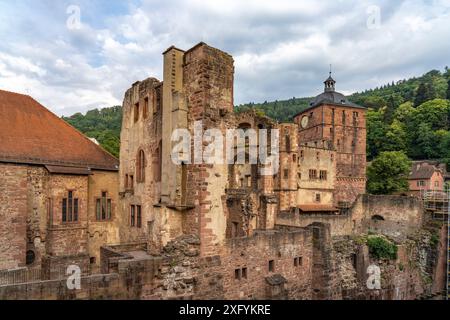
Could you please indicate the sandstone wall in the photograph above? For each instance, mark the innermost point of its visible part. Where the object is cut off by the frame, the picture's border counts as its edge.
(13, 215)
(104, 232)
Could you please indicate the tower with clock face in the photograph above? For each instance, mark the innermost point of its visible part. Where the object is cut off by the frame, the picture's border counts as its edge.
(332, 121)
(304, 122)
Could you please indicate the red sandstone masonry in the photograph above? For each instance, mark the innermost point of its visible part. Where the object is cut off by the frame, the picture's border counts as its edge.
(13, 214)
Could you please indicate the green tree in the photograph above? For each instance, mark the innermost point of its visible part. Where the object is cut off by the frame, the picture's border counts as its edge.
(376, 132)
(444, 145)
(426, 143)
(396, 137)
(448, 90)
(404, 112)
(103, 125)
(425, 92)
(434, 113)
(388, 173)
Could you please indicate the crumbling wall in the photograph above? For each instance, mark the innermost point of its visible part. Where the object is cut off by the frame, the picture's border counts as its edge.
(396, 216)
(244, 269)
(407, 277)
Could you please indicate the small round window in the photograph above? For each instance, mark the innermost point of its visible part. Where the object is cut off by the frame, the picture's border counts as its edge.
(30, 257)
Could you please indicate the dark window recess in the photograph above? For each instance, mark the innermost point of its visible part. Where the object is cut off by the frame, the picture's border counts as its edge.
(133, 215)
(139, 216)
(140, 166)
(240, 273)
(70, 208)
(298, 261)
(103, 209)
(136, 112)
(30, 257)
(64, 210)
(272, 266)
(318, 197)
(93, 260)
(145, 112)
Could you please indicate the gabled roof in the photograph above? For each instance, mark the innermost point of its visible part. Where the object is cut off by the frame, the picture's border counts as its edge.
(422, 170)
(29, 133)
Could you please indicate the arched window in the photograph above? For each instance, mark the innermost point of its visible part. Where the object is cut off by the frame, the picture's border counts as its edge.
(140, 166)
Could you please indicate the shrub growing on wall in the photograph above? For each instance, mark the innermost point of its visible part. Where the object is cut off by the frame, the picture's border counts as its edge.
(381, 248)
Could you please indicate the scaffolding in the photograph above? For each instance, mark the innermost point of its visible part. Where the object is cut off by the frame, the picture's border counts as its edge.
(437, 202)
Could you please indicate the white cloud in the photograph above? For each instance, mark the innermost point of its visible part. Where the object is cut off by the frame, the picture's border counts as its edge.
(281, 49)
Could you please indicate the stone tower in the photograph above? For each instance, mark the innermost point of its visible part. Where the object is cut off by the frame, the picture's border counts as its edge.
(334, 122)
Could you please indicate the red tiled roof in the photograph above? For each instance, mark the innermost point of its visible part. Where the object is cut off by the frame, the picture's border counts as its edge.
(317, 208)
(422, 170)
(29, 133)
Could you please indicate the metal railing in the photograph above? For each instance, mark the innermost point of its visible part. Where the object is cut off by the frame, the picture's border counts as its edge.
(21, 275)
(36, 274)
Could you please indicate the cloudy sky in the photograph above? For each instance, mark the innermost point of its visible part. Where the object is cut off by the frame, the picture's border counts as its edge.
(281, 48)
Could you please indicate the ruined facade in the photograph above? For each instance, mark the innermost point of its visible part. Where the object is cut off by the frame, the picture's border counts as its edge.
(224, 230)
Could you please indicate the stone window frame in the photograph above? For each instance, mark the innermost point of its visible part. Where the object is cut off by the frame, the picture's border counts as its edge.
(312, 174)
(136, 112)
(271, 266)
(132, 215)
(141, 164)
(74, 214)
(241, 273)
(136, 216)
(286, 174)
(139, 216)
(318, 198)
(145, 109)
(109, 204)
(323, 175)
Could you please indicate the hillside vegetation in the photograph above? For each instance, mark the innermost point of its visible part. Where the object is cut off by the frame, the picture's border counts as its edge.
(411, 116)
(103, 125)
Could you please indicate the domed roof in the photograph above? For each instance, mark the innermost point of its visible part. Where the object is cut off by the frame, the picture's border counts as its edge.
(332, 97)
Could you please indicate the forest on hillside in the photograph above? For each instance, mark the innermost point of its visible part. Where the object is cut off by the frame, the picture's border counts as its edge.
(412, 116)
(103, 125)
